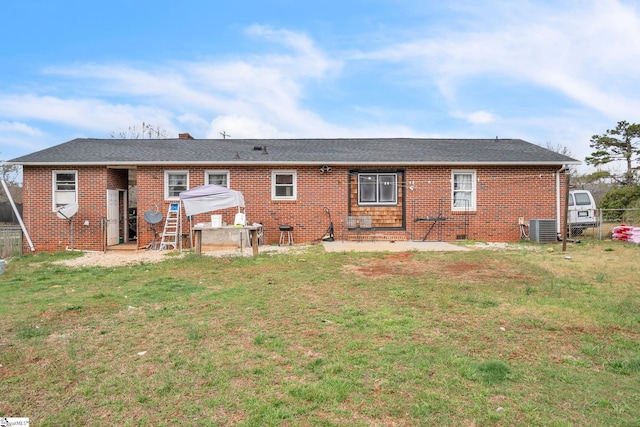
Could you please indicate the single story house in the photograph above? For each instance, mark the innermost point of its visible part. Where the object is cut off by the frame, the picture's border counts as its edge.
(412, 188)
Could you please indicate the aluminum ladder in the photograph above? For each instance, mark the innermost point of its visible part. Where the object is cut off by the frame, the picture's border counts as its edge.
(171, 231)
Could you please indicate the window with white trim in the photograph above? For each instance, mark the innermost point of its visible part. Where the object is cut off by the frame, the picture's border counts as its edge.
(377, 188)
(283, 185)
(463, 190)
(217, 178)
(175, 182)
(65, 188)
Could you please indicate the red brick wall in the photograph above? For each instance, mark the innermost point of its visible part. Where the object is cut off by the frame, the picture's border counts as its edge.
(50, 233)
(503, 195)
(306, 214)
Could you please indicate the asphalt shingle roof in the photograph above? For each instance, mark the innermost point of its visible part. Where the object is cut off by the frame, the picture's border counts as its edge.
(377, 151)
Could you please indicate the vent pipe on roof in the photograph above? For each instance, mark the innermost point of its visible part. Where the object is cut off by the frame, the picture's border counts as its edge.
(262, 148)
(185, 135)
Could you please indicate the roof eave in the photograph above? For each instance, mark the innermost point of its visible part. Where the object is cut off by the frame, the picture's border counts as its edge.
(307, 163)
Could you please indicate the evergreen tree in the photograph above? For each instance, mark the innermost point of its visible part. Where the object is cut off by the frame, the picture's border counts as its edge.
(621, 144)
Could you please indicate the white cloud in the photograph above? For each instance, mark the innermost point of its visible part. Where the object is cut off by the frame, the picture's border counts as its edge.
(258, 82)
(583, 54)
(256, 95)
(90, 114)
(238, 127)
(192, 121)
(19, 128)
(307, 61)
(167, 85)
(589, 51)
(580, 58)
(18, 134)
(477, 117)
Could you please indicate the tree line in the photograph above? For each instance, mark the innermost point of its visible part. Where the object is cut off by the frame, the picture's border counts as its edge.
(616, 156)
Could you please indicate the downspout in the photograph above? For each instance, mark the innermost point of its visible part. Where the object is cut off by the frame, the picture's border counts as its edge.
(562, 169)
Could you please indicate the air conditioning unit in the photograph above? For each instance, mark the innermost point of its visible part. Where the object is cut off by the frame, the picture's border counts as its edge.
(543, 230)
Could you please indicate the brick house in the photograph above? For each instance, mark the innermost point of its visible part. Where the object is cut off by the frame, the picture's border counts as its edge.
(476, 188)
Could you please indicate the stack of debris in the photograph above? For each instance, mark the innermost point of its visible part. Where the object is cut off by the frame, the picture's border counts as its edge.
(626, 233)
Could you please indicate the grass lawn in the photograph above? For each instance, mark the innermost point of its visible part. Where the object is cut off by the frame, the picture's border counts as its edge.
(527, 337)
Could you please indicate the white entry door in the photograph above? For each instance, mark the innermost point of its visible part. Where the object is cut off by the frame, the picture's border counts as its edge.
(113, 218)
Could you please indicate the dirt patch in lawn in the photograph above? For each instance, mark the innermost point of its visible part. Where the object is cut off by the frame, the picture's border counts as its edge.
(397, 264)
(404, 264)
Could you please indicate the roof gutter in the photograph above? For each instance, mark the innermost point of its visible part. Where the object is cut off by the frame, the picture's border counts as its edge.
(292, 163)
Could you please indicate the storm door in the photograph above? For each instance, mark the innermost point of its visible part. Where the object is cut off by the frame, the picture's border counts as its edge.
(113, 217)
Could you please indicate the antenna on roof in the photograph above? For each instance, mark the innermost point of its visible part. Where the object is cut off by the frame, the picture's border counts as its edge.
(225, 135)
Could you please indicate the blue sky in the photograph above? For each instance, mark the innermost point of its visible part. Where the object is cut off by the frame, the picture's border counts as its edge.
(549, 72)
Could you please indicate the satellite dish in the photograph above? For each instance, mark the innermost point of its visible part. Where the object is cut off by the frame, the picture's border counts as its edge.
(152, 217)
(67, 211)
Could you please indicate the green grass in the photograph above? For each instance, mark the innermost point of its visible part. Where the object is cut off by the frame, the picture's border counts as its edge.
(500, 338)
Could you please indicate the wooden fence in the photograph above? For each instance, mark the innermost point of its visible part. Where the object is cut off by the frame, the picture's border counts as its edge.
(10, 241)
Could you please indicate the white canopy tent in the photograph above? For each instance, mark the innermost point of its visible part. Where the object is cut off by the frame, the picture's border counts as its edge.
(207, 198)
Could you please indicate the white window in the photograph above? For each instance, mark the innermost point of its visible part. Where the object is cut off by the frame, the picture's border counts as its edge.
(175, 182)
(283, 185)
(463, 190)
(377, 188)
(65, 188)
(217, 178)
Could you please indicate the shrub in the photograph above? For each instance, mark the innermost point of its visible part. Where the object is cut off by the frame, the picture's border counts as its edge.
(619, 198)
(632, 217)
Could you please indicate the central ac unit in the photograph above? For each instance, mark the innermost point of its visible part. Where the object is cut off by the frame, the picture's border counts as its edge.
(542, 230)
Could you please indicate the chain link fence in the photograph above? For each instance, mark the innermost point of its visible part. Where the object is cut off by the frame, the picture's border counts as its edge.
(609, 218)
